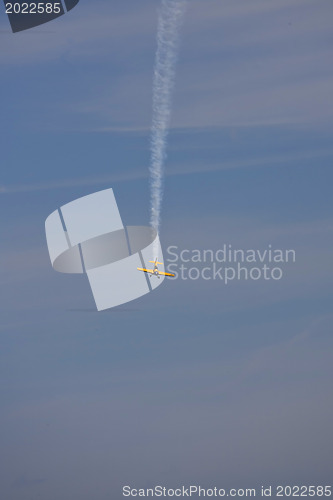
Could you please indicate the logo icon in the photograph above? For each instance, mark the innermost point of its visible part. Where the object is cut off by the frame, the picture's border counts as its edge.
(87, 236)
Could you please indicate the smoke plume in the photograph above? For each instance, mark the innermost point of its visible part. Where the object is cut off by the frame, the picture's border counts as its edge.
(169, 23)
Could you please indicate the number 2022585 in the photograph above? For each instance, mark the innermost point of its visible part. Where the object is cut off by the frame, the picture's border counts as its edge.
(33, 8)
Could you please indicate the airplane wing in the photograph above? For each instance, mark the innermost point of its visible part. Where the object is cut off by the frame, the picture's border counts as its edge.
(165, 274)
(145, 270)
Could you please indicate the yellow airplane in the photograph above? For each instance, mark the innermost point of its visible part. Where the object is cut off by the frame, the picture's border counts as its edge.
(155, 271)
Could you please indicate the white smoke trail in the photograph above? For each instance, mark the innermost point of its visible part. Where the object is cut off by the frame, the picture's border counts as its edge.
(169, 23)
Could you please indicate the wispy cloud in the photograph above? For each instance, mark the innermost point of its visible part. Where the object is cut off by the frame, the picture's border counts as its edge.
(69, 183)
(174, 171)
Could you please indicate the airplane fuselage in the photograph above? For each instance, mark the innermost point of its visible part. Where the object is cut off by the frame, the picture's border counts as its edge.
(155, 270)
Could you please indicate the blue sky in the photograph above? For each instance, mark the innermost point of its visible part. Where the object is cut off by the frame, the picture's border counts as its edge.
(198, 382)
